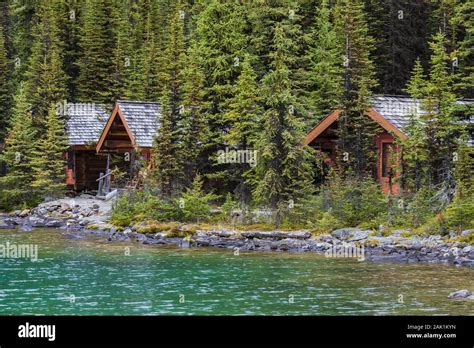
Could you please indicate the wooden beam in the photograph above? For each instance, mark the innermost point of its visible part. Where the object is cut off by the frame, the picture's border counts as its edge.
(322, 126)
(382, 121)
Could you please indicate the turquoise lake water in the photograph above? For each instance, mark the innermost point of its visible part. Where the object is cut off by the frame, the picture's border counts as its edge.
(89, 276)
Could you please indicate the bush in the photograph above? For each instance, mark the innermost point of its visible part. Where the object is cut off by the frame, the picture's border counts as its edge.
(194, 204)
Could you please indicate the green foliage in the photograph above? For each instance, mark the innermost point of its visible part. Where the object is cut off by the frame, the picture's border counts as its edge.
(194, 203)
(353, 201)
(324, 75)
(16, 185)
(5, 87)
(168, 142)
(48, 162)
(284, 169)
(96, 68)
(46, 80)
(356, 130)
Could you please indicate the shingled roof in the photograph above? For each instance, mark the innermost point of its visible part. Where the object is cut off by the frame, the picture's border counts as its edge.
(393, 113)
(84, 122)
(142, 119)
(399, 109)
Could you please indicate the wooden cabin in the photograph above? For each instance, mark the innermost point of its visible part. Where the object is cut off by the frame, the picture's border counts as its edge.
(84, 125)
(393, 114)
(96, 135)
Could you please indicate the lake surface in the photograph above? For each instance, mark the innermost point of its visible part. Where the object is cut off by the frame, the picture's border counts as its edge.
(89, 276)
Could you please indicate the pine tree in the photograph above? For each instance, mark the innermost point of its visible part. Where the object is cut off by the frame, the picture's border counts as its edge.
(5, 87)
(244, 117)
(283, 169)
(356, 131)
(69, 20)
(220, 34)
(15, 186)
(431, 151)
(96, 68)
(195, 129)
(46, 80)
(325, 70)
(48, 161)
(167, 147)
(22, 14)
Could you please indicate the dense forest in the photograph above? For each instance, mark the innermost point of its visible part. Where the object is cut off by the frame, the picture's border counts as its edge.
(250, 75)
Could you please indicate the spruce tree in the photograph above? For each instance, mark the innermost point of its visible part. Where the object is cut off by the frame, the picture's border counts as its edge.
(5, 87)
(356, 130)
(430, 152)
(46, 80)
(48, 162)
(221, 37)
(96, 68)
(15, 186)
(167, 147)
(324, 75)
(195, 128)
(244, 116)
(284, 168)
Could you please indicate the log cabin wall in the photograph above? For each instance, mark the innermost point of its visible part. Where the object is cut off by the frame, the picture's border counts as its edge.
(87, 166)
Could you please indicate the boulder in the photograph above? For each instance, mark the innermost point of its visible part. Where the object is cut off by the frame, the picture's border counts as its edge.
(4, 225)
(36, 221)
(460, 294)
(53, 223)
(345, 233)
(466, 233)
(24, 213)
(65, 207)
(359, 235)
(26, 227)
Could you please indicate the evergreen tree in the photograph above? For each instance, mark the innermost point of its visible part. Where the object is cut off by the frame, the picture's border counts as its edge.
(5, 87)
(96, 68)
(195, 128)
(356, 130)
(46, 80)
(220, 34)
(15, 186)
(167, 147)
(48, 162)
(324, 75)
(69, 19)
(244, 117)
(22, 13)
(283, 169)
(432, 148)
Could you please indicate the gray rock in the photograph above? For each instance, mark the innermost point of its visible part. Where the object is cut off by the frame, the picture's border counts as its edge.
(36, 221)
(140, 237)
(344, 233)
(359, 235)
(54, 223)
(25, 228)
(24, 213)
(64, 207)
(4, 225)
(460, 294)
(466, 233)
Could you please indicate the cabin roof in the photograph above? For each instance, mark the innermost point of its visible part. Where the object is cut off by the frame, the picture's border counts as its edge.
(393, 113)
(399, 109)
(84, 123)
(142, 119)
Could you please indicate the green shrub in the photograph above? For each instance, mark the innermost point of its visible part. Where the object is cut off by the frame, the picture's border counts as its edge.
(194, 204)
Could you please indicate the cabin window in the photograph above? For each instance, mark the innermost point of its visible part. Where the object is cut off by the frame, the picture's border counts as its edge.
(387, 149)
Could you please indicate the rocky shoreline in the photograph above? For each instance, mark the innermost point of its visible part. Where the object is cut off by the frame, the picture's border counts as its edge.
(80, 220)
